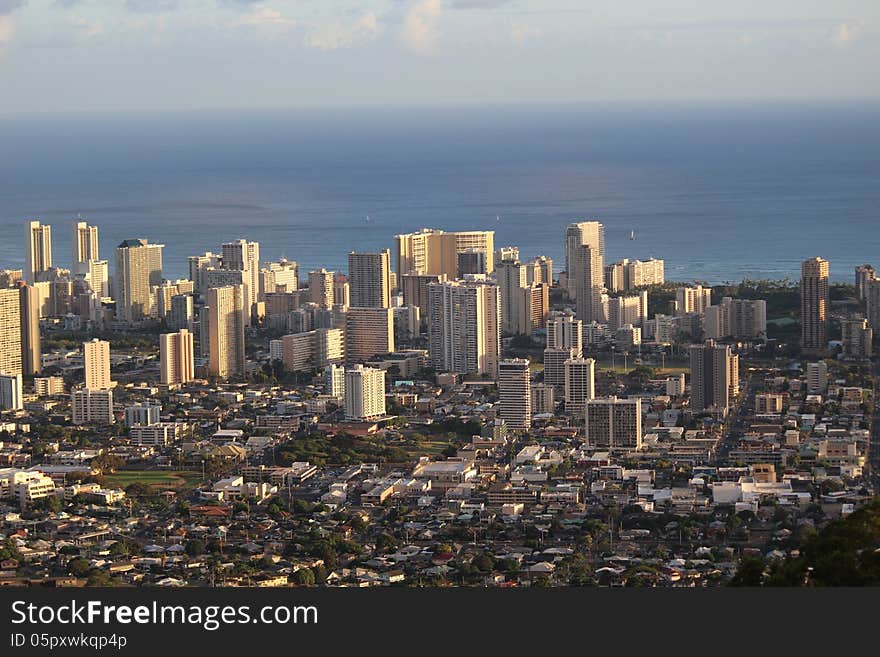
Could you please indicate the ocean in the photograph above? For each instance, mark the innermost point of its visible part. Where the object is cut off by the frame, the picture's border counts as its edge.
(721, 192)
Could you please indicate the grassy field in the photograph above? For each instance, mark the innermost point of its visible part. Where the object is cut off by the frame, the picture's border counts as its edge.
(160, 479)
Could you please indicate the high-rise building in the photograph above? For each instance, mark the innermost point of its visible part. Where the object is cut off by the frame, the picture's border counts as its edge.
(864, 273)
(29, 317)
(624, 310)
(182, 312)
(226, 322)
(714, 377)
(872, 301)
(584, 269)
(580, 383)
(464, 327)
(511, 277)
(92, 406)
(692, 299)
(11, 396)
(198, 265)
(472, 261)
(369, 278)
(539, 270)
(815, 304)
(431, 251)
(364, 393)
(368, 332)
(415, 289)
(10, 332)
(143, 413)
(543, 399)
(514, 393)
(241, 255)
(281, 276)
(744, 319)
(334, 381)
(341, 290)
(613, 423)
(817, 378)
(138, 268)
(564, 342)
(84, 243)
(857, 338)
(37, 250)
(626, 275)
(96, 361)
(321, 288)
(177, 357)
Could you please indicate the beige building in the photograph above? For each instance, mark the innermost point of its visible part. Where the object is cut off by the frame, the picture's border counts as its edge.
(226, 322)
(692, 299)
(10, 331)
(96, 361)
(815, 304)
(29, 316)
(431, 251)
(464, 333)
(514, 393)
(368, 331)
(626, 275)
(321, 288)
(138, 269)
(364, 393)
(624, 310)
(37, 249)
(177, 357)
(84, 243)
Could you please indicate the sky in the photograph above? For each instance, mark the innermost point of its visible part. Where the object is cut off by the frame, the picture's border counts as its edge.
(130, 55)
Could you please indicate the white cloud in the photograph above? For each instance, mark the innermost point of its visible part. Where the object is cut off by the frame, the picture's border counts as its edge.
(845, 33)
(420, 30)
(521, 33)
(266, 16)
(343, 35)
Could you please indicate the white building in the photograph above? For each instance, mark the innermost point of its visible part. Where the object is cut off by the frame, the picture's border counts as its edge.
(364, 393)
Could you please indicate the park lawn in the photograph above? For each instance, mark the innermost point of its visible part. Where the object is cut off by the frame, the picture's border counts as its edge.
(427, 448)
(156, 478)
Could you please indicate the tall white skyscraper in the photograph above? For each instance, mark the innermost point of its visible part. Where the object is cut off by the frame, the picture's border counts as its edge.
(364, 393)
(585, 268)
(244, 256)
(464, 327)
(564, 342)
(226, 324)
(96, 360)
(514, 393)
(37, 249)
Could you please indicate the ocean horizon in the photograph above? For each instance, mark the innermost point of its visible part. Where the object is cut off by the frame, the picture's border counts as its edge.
(720, 192)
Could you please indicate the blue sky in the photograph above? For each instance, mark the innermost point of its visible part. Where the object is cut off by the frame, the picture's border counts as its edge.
(85, 55)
